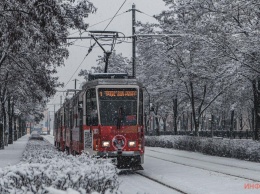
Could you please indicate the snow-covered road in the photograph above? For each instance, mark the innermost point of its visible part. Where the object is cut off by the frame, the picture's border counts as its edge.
(189, 172)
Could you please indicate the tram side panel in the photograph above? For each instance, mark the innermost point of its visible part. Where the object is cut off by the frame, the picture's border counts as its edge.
(77, 129)
(62, 130)
(55, 129)
(68, 127)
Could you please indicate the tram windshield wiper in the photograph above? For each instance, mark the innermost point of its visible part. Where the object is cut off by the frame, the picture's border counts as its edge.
(118, 122)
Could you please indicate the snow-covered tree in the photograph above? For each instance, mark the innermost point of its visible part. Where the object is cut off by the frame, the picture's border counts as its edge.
(32, 44)
(117, 63)
(211, 55)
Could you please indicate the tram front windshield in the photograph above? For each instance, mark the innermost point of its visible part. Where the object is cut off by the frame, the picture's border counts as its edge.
(118, 105)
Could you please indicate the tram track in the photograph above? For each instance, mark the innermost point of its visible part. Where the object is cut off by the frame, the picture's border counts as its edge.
(161, 183)
(128, 172)
(218, 163)
(207, 169)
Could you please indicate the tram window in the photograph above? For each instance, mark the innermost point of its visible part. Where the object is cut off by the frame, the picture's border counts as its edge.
(116, 100)
(92, 116)
(88, 108)
(60, 123)
(80, 111)
(75, 115)
(64, 120)
(67, 116)
(57, 120)
(71, 118)
(78, 115)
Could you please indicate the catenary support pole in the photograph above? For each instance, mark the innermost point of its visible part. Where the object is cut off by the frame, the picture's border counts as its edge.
(75, 85)
(134, 38)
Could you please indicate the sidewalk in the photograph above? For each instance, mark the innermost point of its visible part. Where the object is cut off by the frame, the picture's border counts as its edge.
(12, 154)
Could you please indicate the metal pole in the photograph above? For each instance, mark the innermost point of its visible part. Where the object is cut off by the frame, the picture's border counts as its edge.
(134, 38)
(53, 122)
(75, 85)
(49, 123)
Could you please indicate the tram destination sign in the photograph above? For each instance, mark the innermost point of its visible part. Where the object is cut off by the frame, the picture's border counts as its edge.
(117, 93)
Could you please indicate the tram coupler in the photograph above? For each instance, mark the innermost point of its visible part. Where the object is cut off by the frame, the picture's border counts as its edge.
(119, 152)
(138, 167)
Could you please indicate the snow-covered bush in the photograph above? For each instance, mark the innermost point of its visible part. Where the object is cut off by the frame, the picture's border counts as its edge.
(244, 149)
(44, 170)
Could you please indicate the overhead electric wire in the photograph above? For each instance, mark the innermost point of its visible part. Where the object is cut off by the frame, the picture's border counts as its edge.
(107, 19)
(100, 22)
(82, 46)
(115, 15)
(147, 14)
(90, 49)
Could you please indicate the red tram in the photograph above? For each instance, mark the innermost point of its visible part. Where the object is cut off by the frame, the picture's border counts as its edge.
(105, 118)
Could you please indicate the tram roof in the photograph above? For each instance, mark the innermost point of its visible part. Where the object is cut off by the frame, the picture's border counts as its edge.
(93, 76)
(111, 81)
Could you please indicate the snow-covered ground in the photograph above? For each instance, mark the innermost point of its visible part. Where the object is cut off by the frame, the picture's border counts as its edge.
(12, 154)
(175, 171)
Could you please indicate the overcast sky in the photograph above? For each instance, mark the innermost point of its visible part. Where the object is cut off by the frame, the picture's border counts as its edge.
(105, 9)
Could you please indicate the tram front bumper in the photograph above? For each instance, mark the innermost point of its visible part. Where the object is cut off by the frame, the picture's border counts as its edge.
(118, 153)
(122, 155)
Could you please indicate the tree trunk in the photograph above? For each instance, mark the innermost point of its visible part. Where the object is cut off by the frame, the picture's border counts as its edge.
(164, 123)
(187, 122)
(1, 136)
(19, 127)
(232, 124)
(256, 94)
(15, 128)
(175, 112)
(212, 125)
(191, 122)
(196, 123)
(4, 122)
(10, 119)
(241, 122)
(1, 123)
(157, 129)
(224, 120)
(253, 120)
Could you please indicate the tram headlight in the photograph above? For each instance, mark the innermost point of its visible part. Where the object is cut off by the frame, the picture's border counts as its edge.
(131, 144)
(105, 143)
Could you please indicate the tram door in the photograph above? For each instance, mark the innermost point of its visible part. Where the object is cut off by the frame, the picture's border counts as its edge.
(91, 129)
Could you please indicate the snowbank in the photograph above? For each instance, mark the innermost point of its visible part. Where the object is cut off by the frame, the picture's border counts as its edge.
(46, 170)
(244, 149)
